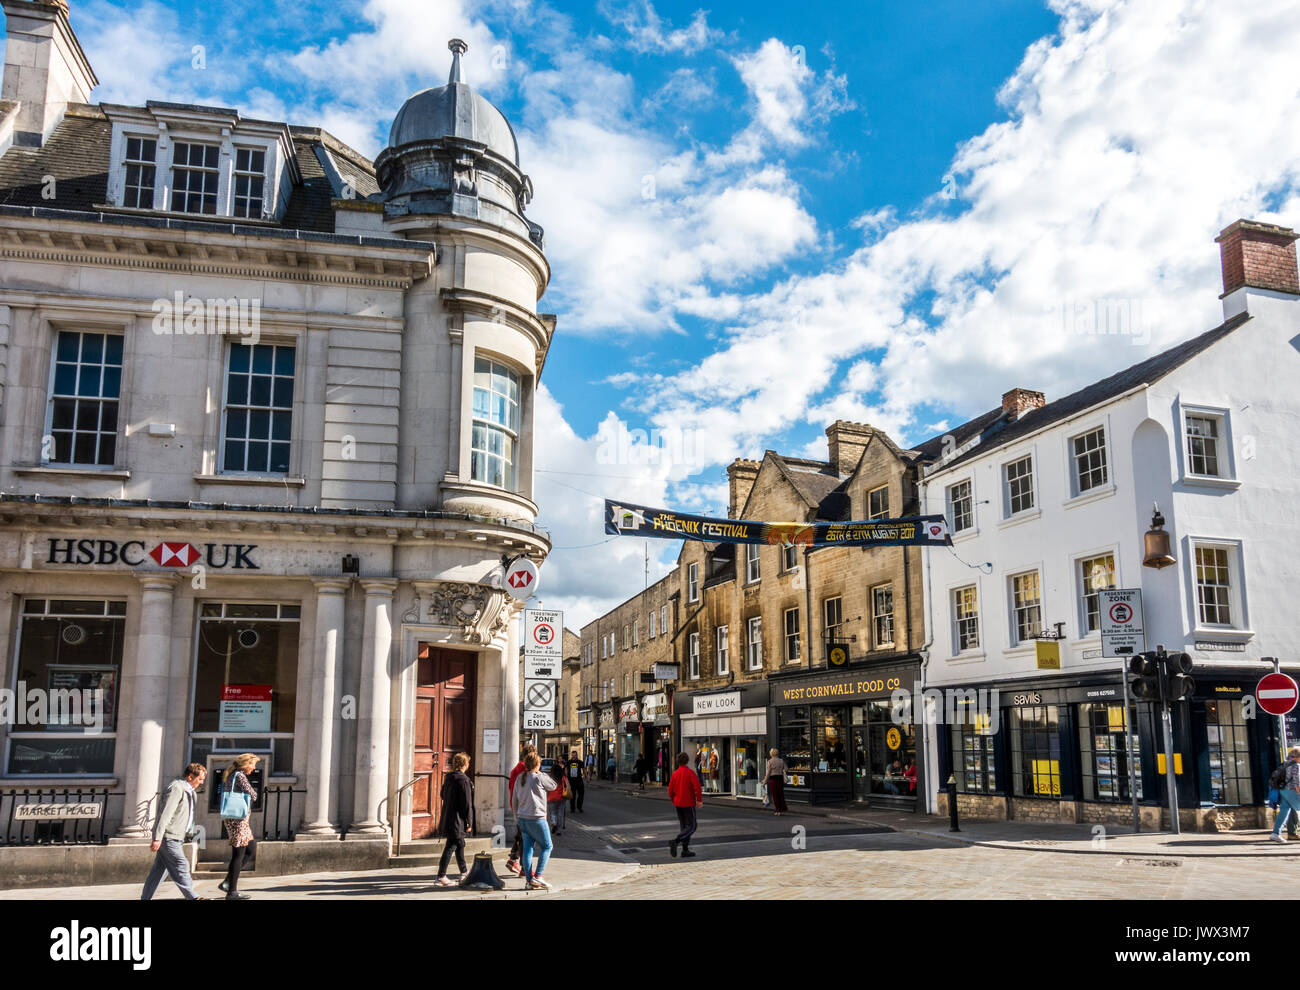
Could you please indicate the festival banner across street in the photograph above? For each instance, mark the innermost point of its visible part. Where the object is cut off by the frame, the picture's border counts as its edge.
(622, 519)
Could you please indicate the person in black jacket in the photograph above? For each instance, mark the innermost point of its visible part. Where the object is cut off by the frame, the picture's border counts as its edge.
(577, 786)
(457, 816)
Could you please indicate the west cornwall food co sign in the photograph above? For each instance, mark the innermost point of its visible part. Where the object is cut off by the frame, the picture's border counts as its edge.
(137, 553)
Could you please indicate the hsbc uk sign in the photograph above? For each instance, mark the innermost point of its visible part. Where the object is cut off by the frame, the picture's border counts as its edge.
(134, 553)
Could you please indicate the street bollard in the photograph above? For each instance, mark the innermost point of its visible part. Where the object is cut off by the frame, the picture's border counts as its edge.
(952, 804)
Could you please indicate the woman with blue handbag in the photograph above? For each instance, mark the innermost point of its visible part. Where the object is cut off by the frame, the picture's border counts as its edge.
(237, 797)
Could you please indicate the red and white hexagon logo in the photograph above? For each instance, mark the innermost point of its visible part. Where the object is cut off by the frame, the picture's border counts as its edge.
(175, 554)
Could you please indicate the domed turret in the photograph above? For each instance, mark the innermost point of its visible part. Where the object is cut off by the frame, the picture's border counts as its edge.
(450, 151)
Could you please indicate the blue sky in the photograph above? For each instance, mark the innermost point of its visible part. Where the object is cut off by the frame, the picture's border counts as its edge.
(763, 218)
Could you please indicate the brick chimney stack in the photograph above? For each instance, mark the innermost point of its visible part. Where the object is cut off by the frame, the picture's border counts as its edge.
(741, 474)
(1019, 401)
(45, 67)
(1256, 256)
(845, 443)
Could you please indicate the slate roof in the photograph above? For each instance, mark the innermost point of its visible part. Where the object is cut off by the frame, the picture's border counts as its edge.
(77, 156)
(1000, 432)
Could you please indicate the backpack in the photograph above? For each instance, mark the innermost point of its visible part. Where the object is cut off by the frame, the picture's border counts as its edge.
(1277, 779)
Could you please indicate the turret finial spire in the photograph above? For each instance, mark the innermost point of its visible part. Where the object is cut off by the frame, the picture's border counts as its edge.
(457, 47)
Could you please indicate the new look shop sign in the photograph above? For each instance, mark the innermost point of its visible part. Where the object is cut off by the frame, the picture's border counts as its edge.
(138, 553)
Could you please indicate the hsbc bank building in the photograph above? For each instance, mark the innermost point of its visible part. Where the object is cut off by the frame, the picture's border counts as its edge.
(266, 454)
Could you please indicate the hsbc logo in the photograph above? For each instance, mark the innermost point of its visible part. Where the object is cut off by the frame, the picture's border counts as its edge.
(134, 553)
(520, 580)
(175, 554)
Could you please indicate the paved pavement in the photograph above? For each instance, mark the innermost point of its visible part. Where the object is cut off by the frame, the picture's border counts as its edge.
(619, 849)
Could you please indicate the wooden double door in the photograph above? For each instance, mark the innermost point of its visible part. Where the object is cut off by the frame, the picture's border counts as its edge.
(444, 726)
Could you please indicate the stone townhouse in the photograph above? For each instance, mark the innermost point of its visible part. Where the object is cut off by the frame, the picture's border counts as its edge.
(800, 648)
(266, 440)
(624, 710)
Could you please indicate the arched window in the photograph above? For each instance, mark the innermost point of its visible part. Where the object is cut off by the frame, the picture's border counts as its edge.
(494, 457)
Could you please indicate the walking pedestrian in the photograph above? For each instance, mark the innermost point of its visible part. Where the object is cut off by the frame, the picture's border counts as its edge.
(612, 768)
(555, 800)
(512, 861)
(457, 817)
(173, 828)
(236, 807)
(640, 769)
(591, 765)
(686, 795)
(1288, 793)
(577, 786)
(775, 776)
(528, 801)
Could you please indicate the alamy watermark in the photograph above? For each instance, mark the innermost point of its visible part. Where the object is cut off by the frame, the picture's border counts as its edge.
(653, 447)
(26, 708)
(977, 707)
(235, 316)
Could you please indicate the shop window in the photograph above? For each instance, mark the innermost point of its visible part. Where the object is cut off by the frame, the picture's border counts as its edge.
(884, 751)
(750, 762)
(70, 651)
(1109, 761)
(85, 387)
(1231, 780)
(1095, 574)
(882, 615)
(828, 739)
(724, 650)
(245, 680)
(794, 739)
(495, 439)
(792, 635)
(973, 762)
(1035, 744)
(259, 409)
(961, 506)
(712, 764)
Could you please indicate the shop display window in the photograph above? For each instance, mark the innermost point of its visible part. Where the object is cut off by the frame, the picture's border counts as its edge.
(974, 764)
(830, 746)
(70, 651)
(1231, 781)
(245, 680)
(1109, 761)
(750, 762)
(1036, 751)
(793, 738)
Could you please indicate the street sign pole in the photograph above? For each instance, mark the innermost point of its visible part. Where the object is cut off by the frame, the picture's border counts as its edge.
(1281, 719)
(1128, 747)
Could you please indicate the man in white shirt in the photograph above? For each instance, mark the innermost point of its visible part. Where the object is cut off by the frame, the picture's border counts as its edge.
(172, 829)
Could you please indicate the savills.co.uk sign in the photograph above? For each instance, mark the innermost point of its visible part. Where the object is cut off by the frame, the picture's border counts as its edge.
(134, 553)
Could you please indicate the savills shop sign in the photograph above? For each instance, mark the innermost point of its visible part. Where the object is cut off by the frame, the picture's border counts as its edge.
(134, 553)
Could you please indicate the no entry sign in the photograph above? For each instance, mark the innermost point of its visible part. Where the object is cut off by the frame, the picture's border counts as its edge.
(1276, 693)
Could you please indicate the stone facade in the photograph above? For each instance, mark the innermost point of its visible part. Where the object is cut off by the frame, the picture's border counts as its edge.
(373, 537)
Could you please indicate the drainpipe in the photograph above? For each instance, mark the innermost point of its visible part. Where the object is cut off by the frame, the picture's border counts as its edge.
(924, 650)
(807, 591)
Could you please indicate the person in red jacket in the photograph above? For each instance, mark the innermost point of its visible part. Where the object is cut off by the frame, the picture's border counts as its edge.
(512, 863)
(685, 793)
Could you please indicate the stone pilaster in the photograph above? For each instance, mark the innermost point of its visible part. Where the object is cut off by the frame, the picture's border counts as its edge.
(144, 728)
(373, 716)
(322, 812)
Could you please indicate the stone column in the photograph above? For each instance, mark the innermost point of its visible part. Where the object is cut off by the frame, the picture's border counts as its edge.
(322, 812)
(374, 705)
(144, 727)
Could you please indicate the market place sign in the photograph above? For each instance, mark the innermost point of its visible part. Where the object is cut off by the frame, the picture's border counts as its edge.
(135, 553)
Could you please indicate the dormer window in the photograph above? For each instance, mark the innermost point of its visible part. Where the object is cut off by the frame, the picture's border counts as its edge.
(194, 177)
(250, 178)
(141, 172)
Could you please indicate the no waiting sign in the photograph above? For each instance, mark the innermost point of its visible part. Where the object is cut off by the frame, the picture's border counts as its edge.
(1121, 622)
(543, 634)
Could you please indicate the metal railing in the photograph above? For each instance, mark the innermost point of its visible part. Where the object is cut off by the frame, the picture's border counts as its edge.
(277, 813)
(395, 830)
(18, 828)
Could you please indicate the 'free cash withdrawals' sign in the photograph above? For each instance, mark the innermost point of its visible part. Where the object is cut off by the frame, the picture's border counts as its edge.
(638, 520)
(245, 708)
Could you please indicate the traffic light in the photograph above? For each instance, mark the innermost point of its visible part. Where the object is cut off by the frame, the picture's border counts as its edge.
(1180, 684)
(1147, 686)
